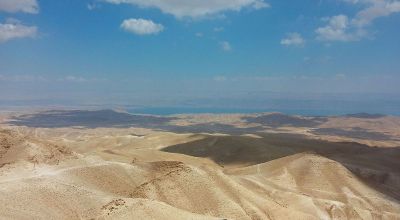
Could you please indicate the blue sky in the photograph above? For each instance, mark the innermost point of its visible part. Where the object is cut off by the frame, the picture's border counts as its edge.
(168, 51)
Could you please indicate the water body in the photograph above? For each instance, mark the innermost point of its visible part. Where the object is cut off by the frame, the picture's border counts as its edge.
(218, 110)
(287, 106)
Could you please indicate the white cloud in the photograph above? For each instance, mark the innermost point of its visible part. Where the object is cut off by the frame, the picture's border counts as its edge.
(12, 6)
(225, 46)
(293, 39)
(194, 8)
(340, 28)
(79, 79)
(14, 30)
(141, 26)
(336, 30)
(343, 28)
(374, 10)
(74, 79)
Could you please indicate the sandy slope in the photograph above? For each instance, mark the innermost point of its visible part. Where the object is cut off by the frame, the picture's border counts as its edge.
(322, 187)
(95, 174)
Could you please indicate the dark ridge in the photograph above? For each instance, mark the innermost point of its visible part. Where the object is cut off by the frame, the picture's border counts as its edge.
(278, 120)
(365, 115)
(88, 119)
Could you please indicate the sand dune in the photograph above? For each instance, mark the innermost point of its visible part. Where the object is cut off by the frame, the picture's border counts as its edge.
(137, 173)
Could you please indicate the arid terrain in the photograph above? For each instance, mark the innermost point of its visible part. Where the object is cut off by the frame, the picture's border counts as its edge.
(113, 165)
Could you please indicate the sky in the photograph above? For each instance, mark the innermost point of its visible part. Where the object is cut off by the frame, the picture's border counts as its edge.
(171, 52)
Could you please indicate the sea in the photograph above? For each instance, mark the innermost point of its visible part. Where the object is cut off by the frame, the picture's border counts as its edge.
(332, 111)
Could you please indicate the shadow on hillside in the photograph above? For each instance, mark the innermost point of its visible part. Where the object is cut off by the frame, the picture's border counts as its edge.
(377, 167)
(213, 128)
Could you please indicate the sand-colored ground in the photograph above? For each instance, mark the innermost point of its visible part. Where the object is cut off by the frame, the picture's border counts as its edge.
(141, 173)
